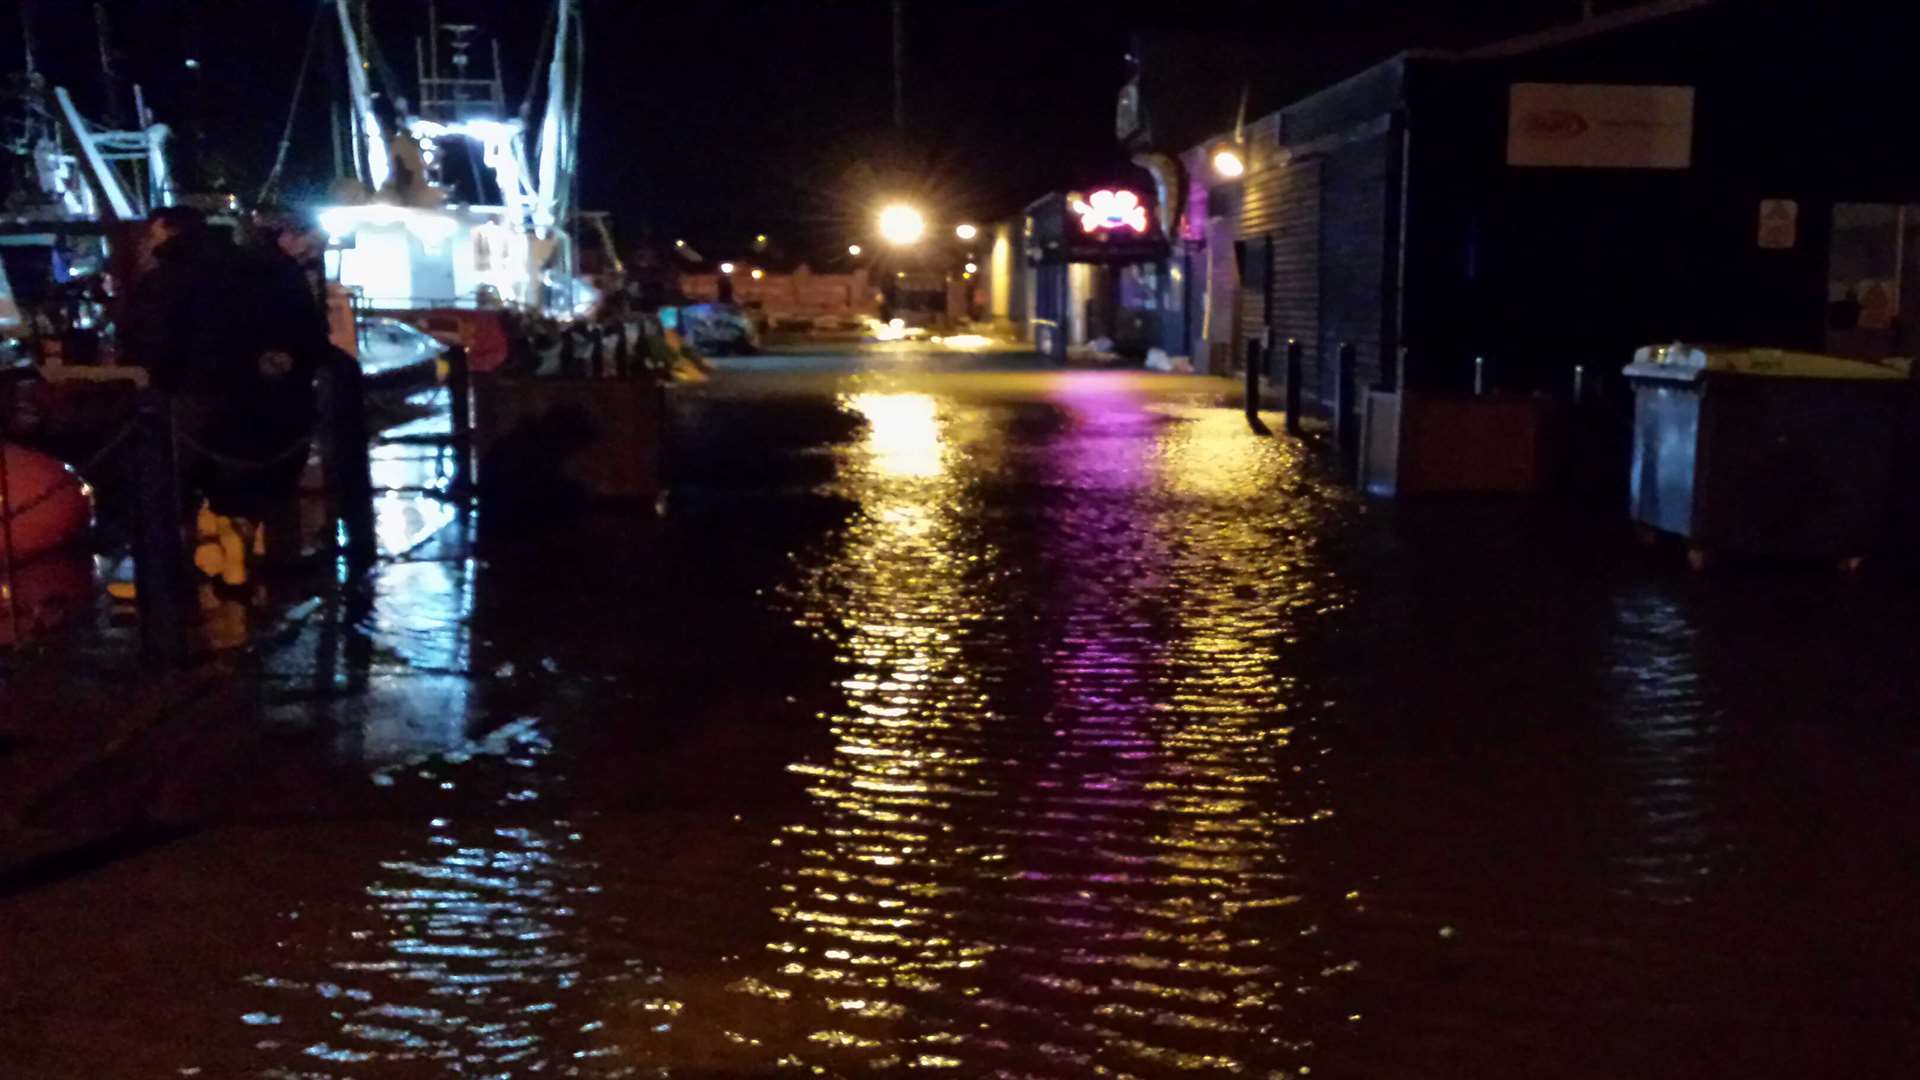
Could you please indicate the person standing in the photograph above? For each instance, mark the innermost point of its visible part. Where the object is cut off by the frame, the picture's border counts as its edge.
(235, 351)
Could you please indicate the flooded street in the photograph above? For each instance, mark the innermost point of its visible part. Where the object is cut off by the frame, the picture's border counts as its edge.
(978, 720)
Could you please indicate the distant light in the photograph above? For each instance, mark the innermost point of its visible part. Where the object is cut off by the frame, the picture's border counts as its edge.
(1227, 164)
(758, 273)
(902, 224)
(726, 268)
(853, 249)
(973, 268)
(897, 324)
(679, 243)
(966, 341)
(968, 275)
(1106, 210)
(900, 274)
(965, 232)
(193, 65)
(760, 239)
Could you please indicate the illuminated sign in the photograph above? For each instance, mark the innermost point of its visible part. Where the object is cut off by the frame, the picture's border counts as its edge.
(1107, 211)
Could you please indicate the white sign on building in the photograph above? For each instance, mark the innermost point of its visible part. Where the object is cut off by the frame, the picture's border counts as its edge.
(1593, 126)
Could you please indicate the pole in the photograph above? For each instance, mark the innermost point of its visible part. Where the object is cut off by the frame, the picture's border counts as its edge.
(1255, 357)
(900, 68)
(7, 591)
(1295, 375)
(112, 112)
(159, 550)
(460, 393)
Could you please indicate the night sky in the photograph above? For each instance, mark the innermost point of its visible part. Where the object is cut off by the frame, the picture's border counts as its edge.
(719, 119)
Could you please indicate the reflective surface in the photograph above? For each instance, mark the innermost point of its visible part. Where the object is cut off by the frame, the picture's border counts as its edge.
(1018, 723)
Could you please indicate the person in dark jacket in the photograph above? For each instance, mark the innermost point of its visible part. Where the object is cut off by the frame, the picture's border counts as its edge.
(221, 334)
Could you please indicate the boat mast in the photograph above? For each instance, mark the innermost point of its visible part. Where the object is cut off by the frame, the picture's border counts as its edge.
(370, 146)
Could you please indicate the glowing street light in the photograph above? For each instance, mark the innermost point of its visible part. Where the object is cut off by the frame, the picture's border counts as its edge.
(679, 243)
(726, 268)
(965, 232)
(758, 273)
(973, 268)
(853, 249)
(1227, 164)
(902, 225)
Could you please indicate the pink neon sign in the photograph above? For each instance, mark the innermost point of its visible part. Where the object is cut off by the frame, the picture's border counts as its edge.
(1108, 210)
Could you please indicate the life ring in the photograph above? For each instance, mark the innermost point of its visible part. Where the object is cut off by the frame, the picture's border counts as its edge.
(48, 505)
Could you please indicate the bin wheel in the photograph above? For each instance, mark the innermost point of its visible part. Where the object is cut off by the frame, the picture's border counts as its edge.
(1852, 564)
(1698, 558)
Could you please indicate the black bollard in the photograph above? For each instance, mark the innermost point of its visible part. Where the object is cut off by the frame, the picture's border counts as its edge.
(1295, 375)
(1255, 356)
(460, 406)
(1346, 427)
(569, 356)
(596, 354)
(161, 584)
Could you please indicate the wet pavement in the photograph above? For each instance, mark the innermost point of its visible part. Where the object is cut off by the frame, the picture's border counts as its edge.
(969, 718)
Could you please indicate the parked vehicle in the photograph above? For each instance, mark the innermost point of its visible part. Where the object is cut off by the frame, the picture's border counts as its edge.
(719, 329)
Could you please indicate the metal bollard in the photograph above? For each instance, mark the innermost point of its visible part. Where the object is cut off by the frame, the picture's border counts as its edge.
(1295, 392)
(596, 355)
(1479, 376)
(160, 577)
(622, 352)
(1345, 415)
(1256, 355)
(1579, 384)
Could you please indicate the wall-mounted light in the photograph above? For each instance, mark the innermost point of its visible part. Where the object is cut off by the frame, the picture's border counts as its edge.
(726, 268)
(1228, 164)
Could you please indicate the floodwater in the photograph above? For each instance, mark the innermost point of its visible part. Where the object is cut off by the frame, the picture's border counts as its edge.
(971, 721)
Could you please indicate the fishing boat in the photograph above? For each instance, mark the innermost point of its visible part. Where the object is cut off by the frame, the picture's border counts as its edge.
(470, 254)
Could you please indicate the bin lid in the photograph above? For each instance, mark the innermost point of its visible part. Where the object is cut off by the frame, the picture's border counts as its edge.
(1653, 360)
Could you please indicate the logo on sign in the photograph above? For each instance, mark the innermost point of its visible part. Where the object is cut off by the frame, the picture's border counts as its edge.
(1109, 211)
(1554, 124)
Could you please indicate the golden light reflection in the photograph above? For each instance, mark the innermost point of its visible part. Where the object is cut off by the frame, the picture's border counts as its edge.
(903, 434)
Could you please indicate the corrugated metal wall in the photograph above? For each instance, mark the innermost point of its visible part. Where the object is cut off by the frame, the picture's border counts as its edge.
(1294, 288)
(1353, 245)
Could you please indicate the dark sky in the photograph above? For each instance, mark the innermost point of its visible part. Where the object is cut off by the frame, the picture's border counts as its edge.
(717, 119)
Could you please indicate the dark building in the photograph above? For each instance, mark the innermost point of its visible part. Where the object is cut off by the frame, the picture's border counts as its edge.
(1734, 172)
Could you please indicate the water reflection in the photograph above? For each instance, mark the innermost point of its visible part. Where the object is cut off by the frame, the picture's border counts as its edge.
(1667, 772)
(1053, 824)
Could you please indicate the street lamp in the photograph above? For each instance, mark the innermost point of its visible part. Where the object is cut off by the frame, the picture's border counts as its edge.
(965, 232)
(902, 225)
(1227, 163)
(973, 268)
(758, 273)
(726, 268)
(853, 249)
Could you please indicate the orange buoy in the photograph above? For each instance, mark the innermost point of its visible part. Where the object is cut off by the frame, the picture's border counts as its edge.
(48, 506)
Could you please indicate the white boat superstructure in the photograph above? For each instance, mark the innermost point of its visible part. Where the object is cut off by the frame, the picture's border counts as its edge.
(407, 244)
